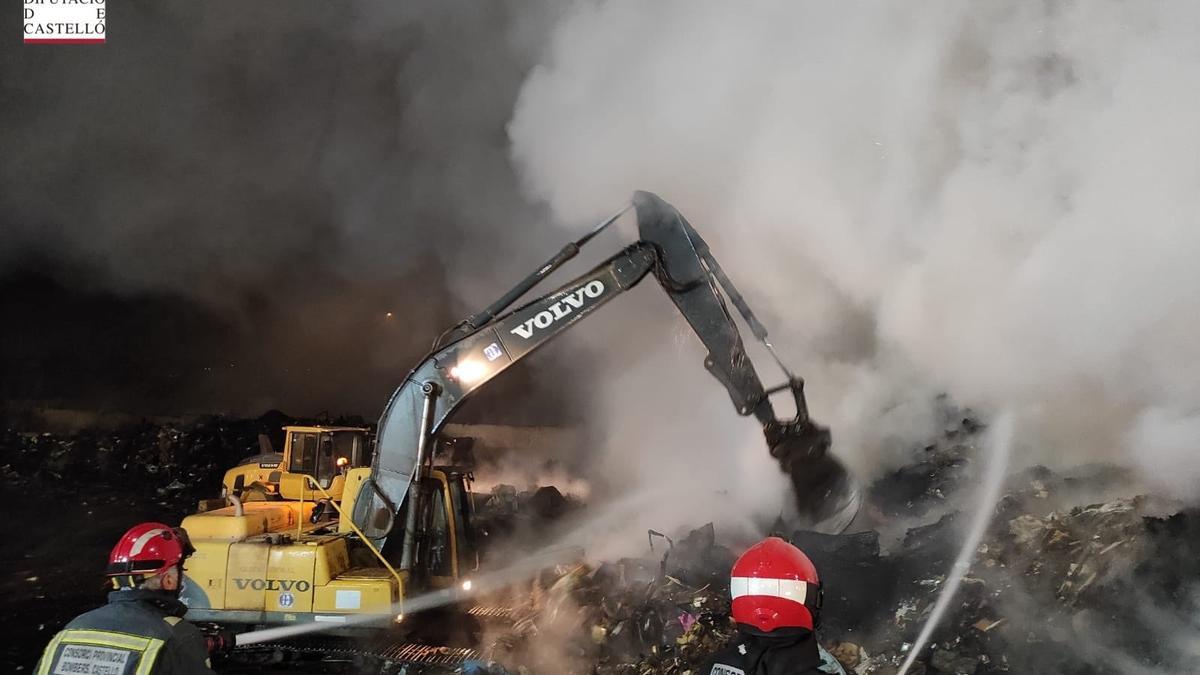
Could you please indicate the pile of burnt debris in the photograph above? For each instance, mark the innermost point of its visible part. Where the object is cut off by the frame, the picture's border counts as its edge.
(508, 521)
(1068, 579)
(1056, 586)
(663, 614)
(172, 465)
(1063, 591)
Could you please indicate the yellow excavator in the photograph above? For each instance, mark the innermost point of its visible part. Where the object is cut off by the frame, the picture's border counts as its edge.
(274, 548)
(308, 537)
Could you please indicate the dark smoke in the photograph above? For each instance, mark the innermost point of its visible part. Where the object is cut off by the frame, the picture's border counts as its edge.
(216, 209)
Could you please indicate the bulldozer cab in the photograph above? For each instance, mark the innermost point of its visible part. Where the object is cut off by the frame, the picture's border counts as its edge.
(323, 452)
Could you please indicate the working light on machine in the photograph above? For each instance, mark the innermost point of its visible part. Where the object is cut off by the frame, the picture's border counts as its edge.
(468, 372)
(342, 461)
(399, 618)
(466, 585)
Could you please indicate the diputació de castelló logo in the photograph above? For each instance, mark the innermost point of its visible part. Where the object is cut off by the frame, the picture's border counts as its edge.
(64, 22)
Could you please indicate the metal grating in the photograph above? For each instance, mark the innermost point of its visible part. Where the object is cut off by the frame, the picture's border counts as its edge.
(337, 649)
(431, 655)
(490, 612)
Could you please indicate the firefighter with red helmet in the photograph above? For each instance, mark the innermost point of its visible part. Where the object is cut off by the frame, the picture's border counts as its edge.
(777, 599)
(141, 630)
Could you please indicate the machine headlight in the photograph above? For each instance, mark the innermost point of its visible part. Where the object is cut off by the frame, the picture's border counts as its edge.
(468, 372)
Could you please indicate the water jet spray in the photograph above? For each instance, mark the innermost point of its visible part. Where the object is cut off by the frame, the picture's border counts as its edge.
(1000, 444)
(479, 584)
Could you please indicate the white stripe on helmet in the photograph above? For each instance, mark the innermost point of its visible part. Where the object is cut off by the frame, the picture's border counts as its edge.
(790, 589)
(140, 542)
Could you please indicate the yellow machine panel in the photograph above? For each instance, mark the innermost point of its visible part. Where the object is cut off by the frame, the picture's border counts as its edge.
(350, 491)
(289, 578)
(297, 487)
(257, 518)
(247, 575)
(206, 570)
(334, 559)
(367, 590)
(277, 576)
(238, 478)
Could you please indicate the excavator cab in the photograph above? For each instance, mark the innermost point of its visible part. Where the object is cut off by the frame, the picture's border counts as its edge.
(444, 523)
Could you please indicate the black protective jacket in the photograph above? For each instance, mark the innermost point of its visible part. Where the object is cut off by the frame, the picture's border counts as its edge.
(138, 632)
(781, 652)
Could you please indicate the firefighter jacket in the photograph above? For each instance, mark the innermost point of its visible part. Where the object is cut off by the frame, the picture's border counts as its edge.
(782, 652)
(138, 632)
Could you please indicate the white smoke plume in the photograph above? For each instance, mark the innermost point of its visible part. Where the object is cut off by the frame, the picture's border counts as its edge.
(999, 201)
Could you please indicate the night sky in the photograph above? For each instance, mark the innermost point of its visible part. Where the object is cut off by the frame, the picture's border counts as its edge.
(216, 210)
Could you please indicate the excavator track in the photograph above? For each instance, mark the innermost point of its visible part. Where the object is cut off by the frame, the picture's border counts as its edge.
(383, 653)
(379, 655)
(491, 613)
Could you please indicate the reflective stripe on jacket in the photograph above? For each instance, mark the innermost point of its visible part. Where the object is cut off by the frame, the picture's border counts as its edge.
(99, 652)
(137, 633)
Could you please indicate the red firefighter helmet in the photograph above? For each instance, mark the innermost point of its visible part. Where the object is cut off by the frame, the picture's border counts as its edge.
(774, 585)
(148, 549)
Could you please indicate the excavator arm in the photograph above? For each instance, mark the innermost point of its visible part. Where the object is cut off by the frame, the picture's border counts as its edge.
(485, 345)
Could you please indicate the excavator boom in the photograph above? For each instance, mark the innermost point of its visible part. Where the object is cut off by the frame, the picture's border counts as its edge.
(483, 346)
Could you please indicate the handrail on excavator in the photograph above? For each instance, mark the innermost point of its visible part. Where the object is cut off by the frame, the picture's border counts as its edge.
(349, 521)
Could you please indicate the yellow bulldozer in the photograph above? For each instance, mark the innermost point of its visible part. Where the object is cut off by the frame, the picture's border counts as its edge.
(323, 452)
(336, 527)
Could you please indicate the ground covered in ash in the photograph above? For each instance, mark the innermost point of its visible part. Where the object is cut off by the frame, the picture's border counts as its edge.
(1077, 574)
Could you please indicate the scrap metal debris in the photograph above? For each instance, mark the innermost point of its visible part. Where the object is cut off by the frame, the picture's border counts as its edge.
(632, 616)
(173, 465)
(1059, 584)
(1046, 584)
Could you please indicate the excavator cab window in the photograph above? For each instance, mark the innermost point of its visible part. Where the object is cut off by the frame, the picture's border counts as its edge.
(463, 530)
(366, 451)
(434, 518)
